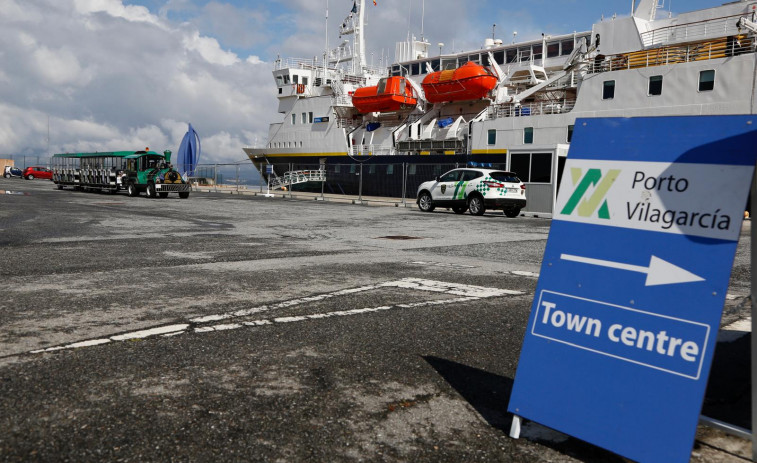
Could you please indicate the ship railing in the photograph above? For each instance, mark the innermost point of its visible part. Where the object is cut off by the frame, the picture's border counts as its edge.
(297, 177)
(371, 150)
(530, 109)
(297, 63)
(700, 51)
(723, 26)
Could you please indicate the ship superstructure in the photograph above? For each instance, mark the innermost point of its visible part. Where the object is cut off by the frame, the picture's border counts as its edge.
(696, 63)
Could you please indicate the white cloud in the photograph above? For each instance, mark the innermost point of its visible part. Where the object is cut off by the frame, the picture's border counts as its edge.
(209, 49)
(115, 77)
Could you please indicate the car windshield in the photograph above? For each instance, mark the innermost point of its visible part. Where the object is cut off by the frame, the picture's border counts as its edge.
(507, 177)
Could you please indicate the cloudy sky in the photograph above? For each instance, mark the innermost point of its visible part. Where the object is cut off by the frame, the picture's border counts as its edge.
(128, 74)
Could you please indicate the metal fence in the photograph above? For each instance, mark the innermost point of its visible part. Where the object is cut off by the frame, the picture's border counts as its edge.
(237, 176)
(23, 162)
(397, 180)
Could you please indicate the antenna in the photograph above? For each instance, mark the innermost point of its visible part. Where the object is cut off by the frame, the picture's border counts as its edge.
(423, 18)
(494, 26)
(327, 27)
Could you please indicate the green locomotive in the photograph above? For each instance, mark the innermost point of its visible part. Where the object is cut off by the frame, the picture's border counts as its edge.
(135, 171)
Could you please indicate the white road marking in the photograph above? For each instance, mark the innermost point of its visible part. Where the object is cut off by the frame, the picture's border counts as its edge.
(735, 330)
(441, 264)
(465, 293)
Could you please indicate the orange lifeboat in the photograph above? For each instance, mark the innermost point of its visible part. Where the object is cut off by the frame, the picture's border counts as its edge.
(391, 94)
(468, 82)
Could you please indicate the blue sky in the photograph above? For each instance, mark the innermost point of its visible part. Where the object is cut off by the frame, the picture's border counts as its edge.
(266, 28)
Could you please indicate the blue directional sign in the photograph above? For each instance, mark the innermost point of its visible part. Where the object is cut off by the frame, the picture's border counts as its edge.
(625, 316)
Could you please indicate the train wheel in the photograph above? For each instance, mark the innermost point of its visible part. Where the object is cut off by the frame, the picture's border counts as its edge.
(131, 190)
(150, 192)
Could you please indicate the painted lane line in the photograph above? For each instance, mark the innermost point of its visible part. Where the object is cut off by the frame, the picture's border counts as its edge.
(150, 332)
(406, 283)
(466, 293)
(735, 330)
(341, 313)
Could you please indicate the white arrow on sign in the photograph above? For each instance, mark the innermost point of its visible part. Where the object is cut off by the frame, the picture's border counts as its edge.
(659, 272)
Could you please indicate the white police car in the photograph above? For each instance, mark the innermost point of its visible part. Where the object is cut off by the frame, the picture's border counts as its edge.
(475, 190)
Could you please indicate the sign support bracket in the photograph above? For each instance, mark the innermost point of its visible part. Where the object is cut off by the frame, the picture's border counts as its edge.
(515, 427)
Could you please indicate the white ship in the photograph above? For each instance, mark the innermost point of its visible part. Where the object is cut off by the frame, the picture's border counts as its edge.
(697, 63)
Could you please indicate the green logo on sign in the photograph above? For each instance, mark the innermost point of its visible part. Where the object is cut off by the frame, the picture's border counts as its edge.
(587, 207)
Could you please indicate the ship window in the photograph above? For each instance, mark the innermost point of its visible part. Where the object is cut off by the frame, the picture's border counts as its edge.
(279, 81)
(537, 51)
(492, 137)
(281, 90)
(520, 163)
(706, 81)
(655, 85)
(512, 55)
(485, 60)
(474, 58)
(528, 135)
(608, 91)
(304, 80)
(381, 86)
(337, 168)
(310, 117)
(390, 169)
(294, 119)
(499, 57)
(567, 47)
(352, 168)
(304, 118)
(286, 79)
(403, 85)
(541, 167)
(448, 64)
(553, 49)
(414, 69)
(295, 79)
(435, 65)
(396, 70)
(372, 169)
(412, 168)
(570, 133)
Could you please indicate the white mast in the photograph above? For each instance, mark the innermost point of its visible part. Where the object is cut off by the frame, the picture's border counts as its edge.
(646, 9)
(358, 51)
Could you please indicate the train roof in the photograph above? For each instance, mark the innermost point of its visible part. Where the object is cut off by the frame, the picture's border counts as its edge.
(109, 154)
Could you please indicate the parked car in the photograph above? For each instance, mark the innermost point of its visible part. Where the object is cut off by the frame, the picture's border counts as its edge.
(9, 172)
(32, 172)
(475, 190)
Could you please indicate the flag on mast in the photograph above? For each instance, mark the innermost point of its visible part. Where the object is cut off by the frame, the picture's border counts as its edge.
(374, 2)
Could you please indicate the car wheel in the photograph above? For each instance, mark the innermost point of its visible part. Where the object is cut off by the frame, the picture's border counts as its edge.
(512, 213)
(425, 203)
(60, 187)
(163, 194)
(459, 209)
(7, 175)
(150, 192)
(131, 190)
(476, 205)
(30, 177)
(184, 195)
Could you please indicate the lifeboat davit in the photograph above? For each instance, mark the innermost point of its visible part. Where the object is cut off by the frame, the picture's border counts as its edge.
(471, 81)
(391, 94)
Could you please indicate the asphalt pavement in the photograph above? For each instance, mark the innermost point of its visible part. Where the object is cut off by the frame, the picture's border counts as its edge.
(243, 328)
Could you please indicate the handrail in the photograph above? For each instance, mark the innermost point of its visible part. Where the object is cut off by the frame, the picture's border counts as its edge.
(685, 32)
(699, 51)
(530, 109)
